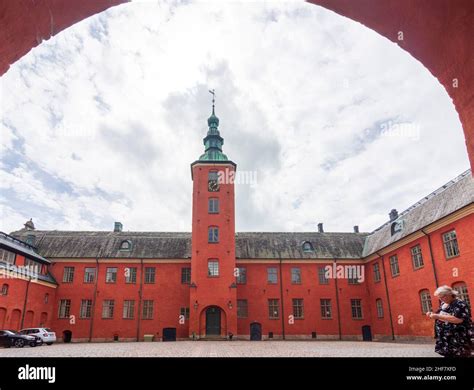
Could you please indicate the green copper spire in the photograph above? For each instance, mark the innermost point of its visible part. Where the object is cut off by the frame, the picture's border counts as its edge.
(213, 141)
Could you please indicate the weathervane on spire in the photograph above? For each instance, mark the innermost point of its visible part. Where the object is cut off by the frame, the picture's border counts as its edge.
(213, 92)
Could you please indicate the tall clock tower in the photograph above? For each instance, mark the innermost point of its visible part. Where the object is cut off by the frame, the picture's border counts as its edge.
(213, 292)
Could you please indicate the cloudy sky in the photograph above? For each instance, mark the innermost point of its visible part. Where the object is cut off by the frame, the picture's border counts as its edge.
(100, 123)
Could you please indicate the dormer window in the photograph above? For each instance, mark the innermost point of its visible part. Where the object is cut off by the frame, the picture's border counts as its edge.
(126, 245)
(396, 227)
(307, 247)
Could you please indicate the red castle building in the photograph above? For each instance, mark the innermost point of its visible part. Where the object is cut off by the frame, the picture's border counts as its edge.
(216, 283)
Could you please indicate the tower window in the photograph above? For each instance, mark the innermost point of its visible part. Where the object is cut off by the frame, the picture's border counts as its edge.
(213, 206)
(213, 268)
(326, 312)
(4, 289)
(213, 234)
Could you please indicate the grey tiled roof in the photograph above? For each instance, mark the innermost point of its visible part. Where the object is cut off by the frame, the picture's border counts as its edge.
(92, 244)
(453, 196)
(167, 245)
(268, 245)
(290, 245)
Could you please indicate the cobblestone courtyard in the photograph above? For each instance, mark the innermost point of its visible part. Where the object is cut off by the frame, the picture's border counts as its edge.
(227, 349)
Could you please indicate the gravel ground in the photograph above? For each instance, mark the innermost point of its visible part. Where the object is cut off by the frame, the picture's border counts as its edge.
(227, 349)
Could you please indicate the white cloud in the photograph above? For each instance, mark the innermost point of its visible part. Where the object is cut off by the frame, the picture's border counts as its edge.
(103, 120)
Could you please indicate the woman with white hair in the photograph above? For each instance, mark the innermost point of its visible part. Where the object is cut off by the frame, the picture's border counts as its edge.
(452, 324)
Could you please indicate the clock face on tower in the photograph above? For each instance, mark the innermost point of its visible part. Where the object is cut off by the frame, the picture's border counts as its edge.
(213, 186)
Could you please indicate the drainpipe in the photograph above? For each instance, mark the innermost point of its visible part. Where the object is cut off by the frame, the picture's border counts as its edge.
(281, 299)
(140, 300)
(24, 303)
(337, 304)
(95, 297)
(91, 327)
(435, 274)
(388, 296)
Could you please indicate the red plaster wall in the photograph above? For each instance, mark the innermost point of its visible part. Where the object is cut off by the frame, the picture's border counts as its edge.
(168, 294)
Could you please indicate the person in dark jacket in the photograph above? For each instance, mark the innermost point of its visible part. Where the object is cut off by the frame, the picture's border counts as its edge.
(453, 326)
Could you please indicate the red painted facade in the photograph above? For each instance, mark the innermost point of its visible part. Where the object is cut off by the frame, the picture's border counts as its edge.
(174, 296)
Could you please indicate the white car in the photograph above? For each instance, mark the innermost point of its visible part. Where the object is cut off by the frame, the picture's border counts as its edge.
(45, 334)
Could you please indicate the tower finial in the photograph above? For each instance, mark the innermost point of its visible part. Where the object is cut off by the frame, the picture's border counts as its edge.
(213, 92)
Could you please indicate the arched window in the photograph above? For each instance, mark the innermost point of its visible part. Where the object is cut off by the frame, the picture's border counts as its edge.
(425, 300)
(4, 289)
(307, 247)
(126, 245)
(396, 227)
(46, 298)
(461, 287)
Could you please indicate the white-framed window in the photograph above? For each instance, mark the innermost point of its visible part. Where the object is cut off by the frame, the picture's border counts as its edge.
(417, 257)
(111, 275)
(128, 309)
(213, 268)
(356, 309)
(68, 275)
(296, 275)
(7, 256)
(64, 308)
(379, 307)
(376, 268)
(213, 234)
(147, 311)
(108, 306)
(213, 206)
(394, 268)
(450, 242)
(326, 309)
(86, 308)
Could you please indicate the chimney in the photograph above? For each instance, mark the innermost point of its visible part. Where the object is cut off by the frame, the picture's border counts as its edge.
(118, 227)
(320, 228)
(393, 215)
(356, 229)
